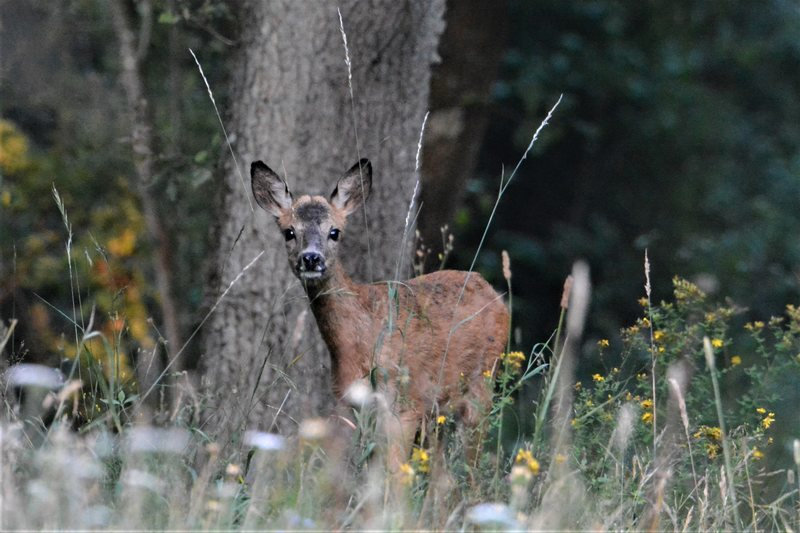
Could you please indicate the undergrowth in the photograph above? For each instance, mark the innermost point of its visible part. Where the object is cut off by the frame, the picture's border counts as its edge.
(643, 445)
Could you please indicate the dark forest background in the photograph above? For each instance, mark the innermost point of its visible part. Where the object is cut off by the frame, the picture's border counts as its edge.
(678, 133)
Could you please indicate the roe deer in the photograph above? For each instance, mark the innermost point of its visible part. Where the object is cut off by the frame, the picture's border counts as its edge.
(436, 346)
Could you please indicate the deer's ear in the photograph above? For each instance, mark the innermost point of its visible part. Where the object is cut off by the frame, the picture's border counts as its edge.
(353, 188)
(270, 191)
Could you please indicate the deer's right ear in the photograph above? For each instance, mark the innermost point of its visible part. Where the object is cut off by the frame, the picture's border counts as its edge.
(270, 191)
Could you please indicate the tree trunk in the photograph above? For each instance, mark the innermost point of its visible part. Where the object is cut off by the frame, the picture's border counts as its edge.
(265, 366)
(471, 49)
(131, 56)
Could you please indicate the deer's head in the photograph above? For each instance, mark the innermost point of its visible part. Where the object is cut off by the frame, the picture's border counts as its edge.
(311, 225)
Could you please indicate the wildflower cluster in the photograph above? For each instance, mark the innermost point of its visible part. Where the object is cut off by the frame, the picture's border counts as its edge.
(670, 336)
(687, 292)
(513, 360)
(768, 419)
(647, 408)
(421, 459)
(712, 438)
(526, 458)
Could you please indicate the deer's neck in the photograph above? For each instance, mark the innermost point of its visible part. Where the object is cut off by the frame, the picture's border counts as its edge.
(345, 325)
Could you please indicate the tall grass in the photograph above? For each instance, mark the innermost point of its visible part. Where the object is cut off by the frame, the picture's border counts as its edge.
(75, 457)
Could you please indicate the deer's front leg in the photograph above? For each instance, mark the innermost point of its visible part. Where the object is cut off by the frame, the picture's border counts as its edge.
(401, 429)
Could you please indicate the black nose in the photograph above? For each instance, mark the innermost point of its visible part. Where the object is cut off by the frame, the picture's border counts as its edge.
(314, 262)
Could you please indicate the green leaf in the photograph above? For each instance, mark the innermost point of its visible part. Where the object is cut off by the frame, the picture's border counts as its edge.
(167, 17)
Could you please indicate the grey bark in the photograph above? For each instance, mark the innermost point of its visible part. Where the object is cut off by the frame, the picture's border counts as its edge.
(265, 366)
(131, 56)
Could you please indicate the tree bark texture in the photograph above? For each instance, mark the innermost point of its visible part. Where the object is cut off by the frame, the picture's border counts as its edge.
(265, 366)
(471, 49)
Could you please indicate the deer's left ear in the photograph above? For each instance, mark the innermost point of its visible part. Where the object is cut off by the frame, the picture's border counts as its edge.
(353, 188)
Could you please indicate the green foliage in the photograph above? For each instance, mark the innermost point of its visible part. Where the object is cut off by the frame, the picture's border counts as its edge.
(678, 132)
(668, 340)
(73, 132)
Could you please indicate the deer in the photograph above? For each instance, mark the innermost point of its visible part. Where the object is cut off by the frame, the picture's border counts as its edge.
(436, 337)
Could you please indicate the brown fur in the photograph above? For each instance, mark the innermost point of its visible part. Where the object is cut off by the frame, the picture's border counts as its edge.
(443, 345)
(431, 343)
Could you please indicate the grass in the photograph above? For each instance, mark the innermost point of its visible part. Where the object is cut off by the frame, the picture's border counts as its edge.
(75, 457)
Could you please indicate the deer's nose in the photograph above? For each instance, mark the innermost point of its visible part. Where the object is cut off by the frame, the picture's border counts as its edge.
(314, 262)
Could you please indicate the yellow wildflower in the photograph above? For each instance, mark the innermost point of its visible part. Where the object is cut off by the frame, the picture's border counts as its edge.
(487, 374)
(603, 343)
(628, 396)
(647, 417)
(717, 343)
(647, 403)
(758, 325)
(643, 301)
(661, 349)
(757, 454)
(768, 420)
(646, 322)
(761, 410)
(686, 291)
(441, 419)
(641, 376)
(712, 450)
(513, 359)
(578, 385)
(658, 335)
(526, 457)
(421, 458)
(598, 378)
(709, 432)
(736, 360)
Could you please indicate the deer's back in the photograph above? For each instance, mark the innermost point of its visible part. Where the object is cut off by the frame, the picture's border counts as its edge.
(450, 327)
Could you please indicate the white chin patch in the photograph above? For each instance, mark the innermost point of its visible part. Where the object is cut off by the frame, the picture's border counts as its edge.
(310, 275)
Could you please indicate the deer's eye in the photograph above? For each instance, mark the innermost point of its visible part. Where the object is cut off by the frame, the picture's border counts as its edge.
(334, 234)
(288, 234)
